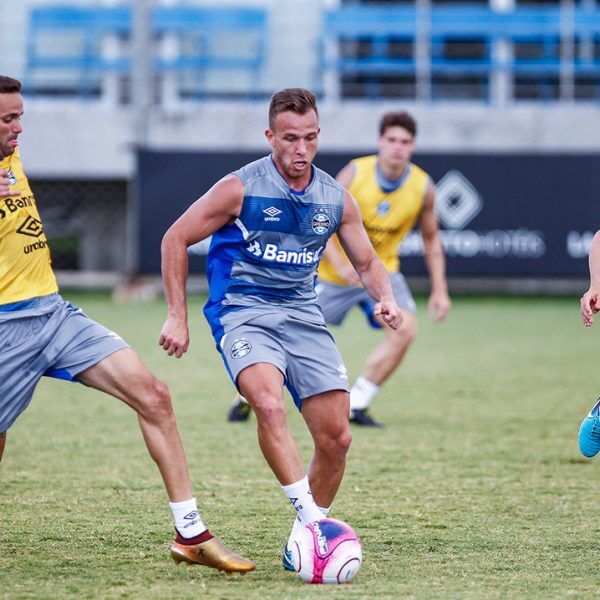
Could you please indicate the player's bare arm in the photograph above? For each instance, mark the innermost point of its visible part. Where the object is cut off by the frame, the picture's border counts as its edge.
(219, 206)
(590, 301)
(439, 302)
(373, 276)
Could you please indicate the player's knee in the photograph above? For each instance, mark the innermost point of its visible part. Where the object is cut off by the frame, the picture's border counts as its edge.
(345, 440)
(412, 329)
(157, 403)
(269, 410)
(404, 336)
(336, 442)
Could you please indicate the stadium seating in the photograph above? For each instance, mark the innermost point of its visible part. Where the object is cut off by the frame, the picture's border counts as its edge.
(67, 51)
(442, 51)
(204, 38)
(64, 48)
(459, 43)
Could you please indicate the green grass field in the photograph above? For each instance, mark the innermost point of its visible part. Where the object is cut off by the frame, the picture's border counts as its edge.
(474, 489)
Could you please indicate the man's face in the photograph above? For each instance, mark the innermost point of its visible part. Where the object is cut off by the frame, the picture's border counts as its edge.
(11, 109)
(396, 146)
(294, 139)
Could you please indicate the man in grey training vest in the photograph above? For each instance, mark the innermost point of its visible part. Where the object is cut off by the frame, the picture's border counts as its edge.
(270, 222)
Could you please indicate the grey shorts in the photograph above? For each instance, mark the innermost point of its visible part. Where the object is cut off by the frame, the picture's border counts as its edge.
(336, 300)
(60, 343)
(302, 349)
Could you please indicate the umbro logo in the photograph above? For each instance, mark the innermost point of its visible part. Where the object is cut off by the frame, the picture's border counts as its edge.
(31, 227)
(342, 371)
(191, 515)
(272, 213)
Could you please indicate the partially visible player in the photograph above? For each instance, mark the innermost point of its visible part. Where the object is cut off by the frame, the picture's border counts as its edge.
(589, 432)
(392, 194)
(270, 221)
(41, 334)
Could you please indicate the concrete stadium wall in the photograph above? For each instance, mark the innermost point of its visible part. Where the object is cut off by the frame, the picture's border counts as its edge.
(73, 139)
(95, 139)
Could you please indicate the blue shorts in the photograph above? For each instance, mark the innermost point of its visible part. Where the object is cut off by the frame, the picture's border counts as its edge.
(56, 340)
(337, 300)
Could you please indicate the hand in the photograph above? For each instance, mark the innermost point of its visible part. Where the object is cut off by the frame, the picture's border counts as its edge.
(174, 337)
(5, 185)
(590, 305)
(438, 306)
(389, 312)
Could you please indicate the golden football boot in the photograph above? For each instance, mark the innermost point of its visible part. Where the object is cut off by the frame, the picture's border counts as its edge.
(211, 552)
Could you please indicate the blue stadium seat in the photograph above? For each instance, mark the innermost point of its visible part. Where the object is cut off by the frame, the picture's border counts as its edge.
(378, 29)
(462, 42)
(64, 46)
(64, 49)
(224, 51)
(214, 39)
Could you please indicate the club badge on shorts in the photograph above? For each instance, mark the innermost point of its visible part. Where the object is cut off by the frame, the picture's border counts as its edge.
(240, 348)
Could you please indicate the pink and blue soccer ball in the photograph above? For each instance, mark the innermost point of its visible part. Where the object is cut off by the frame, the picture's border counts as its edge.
(327, 551)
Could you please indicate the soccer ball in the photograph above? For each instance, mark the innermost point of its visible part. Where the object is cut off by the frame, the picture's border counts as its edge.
(327, 551)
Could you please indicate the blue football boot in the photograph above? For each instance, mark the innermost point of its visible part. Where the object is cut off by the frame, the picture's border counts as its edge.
(286, 559)
(589, 433)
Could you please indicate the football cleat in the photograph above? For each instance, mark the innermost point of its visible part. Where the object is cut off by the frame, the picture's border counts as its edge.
(361, 416)
(210, 552)
(286, 559)
(589, 433)
(240, 410)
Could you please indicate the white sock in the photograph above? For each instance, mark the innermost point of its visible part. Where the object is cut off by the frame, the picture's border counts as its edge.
(362, 392)
(298, 526)
(300, 497)
(187, 518)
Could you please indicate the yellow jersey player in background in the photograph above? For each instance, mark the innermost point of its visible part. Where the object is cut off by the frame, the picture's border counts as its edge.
(393, 195)
(42, 335)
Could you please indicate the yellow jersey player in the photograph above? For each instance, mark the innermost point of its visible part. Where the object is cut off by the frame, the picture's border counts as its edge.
(392, 194)
(41, 334)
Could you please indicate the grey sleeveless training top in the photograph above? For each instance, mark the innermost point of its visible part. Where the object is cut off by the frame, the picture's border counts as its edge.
(271, 253)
